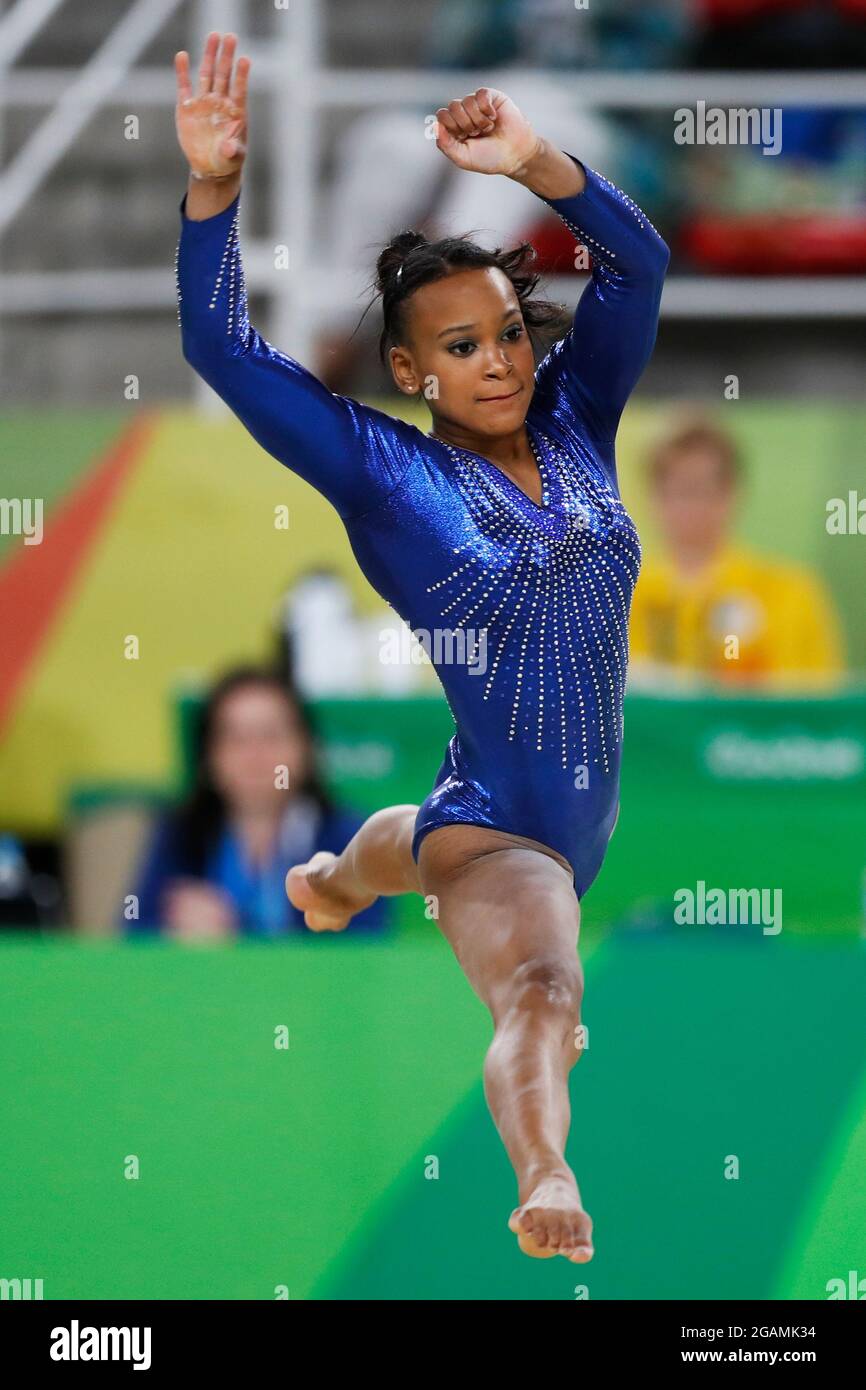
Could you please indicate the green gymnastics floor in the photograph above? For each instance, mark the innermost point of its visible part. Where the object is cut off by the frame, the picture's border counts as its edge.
(359, 1162)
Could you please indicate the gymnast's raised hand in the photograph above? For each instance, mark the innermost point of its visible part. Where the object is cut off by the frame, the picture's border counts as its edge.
(211, 121)
(485, 133)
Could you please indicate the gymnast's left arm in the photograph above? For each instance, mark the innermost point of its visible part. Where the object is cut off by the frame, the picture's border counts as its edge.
(596, 365)
(600, 360)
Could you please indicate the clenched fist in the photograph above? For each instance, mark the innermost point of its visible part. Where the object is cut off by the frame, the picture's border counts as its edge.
(486, 134)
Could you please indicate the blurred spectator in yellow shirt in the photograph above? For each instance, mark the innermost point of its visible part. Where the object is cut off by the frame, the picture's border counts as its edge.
(708, 610)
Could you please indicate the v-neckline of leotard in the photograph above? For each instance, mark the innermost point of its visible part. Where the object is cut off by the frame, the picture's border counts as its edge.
(535, 437)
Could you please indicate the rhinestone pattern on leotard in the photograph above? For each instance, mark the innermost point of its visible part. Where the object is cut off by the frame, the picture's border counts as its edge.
(541, 581)
(549, 583)
(602, 255)
(230, 275)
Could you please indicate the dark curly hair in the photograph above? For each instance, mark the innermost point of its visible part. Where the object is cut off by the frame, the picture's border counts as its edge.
(409, 261)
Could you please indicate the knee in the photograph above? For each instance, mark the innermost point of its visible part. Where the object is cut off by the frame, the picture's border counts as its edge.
(549, 985)
(390, 825)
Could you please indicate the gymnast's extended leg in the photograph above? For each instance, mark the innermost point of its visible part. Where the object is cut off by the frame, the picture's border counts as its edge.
(512, 918)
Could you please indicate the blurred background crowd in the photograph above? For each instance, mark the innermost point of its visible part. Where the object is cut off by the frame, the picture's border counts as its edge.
(198, 690)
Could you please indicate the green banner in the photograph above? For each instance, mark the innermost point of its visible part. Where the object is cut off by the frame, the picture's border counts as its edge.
(735, 793)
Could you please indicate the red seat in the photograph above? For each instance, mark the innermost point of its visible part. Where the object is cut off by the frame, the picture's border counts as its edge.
(774, 244)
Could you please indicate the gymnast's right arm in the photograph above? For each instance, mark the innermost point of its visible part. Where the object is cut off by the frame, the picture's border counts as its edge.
(331, 441)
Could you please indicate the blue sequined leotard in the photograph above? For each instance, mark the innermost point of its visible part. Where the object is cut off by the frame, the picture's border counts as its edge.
(523, 607)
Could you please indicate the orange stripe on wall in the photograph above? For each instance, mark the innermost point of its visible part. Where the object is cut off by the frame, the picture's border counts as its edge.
(36, 579)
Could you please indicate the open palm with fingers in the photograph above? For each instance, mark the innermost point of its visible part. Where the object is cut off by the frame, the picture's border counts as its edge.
(212, 122)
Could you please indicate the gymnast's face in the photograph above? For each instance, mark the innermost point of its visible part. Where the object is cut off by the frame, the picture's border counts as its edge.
(468, 351)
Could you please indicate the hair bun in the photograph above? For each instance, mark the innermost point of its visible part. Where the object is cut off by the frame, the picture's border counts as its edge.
(393, 257)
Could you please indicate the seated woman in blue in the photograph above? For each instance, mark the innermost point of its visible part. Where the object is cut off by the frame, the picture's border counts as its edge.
(216, 866)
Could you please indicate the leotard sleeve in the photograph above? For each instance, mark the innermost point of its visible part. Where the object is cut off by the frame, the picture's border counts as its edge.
(353, 454)
(594, 368)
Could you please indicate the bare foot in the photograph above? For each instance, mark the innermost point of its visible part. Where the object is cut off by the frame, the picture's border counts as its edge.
(552, 1222)
(325, 907)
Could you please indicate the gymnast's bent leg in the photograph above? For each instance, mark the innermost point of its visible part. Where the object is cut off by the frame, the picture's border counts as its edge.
(377, 862)
(512, 918)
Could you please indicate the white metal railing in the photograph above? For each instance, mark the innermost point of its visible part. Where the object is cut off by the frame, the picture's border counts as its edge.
(20, 24)
(684, 297)
(150, 86)
(290, 68)
(77, 102)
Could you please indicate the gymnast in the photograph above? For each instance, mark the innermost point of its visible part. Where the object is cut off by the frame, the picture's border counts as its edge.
(504, 520)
